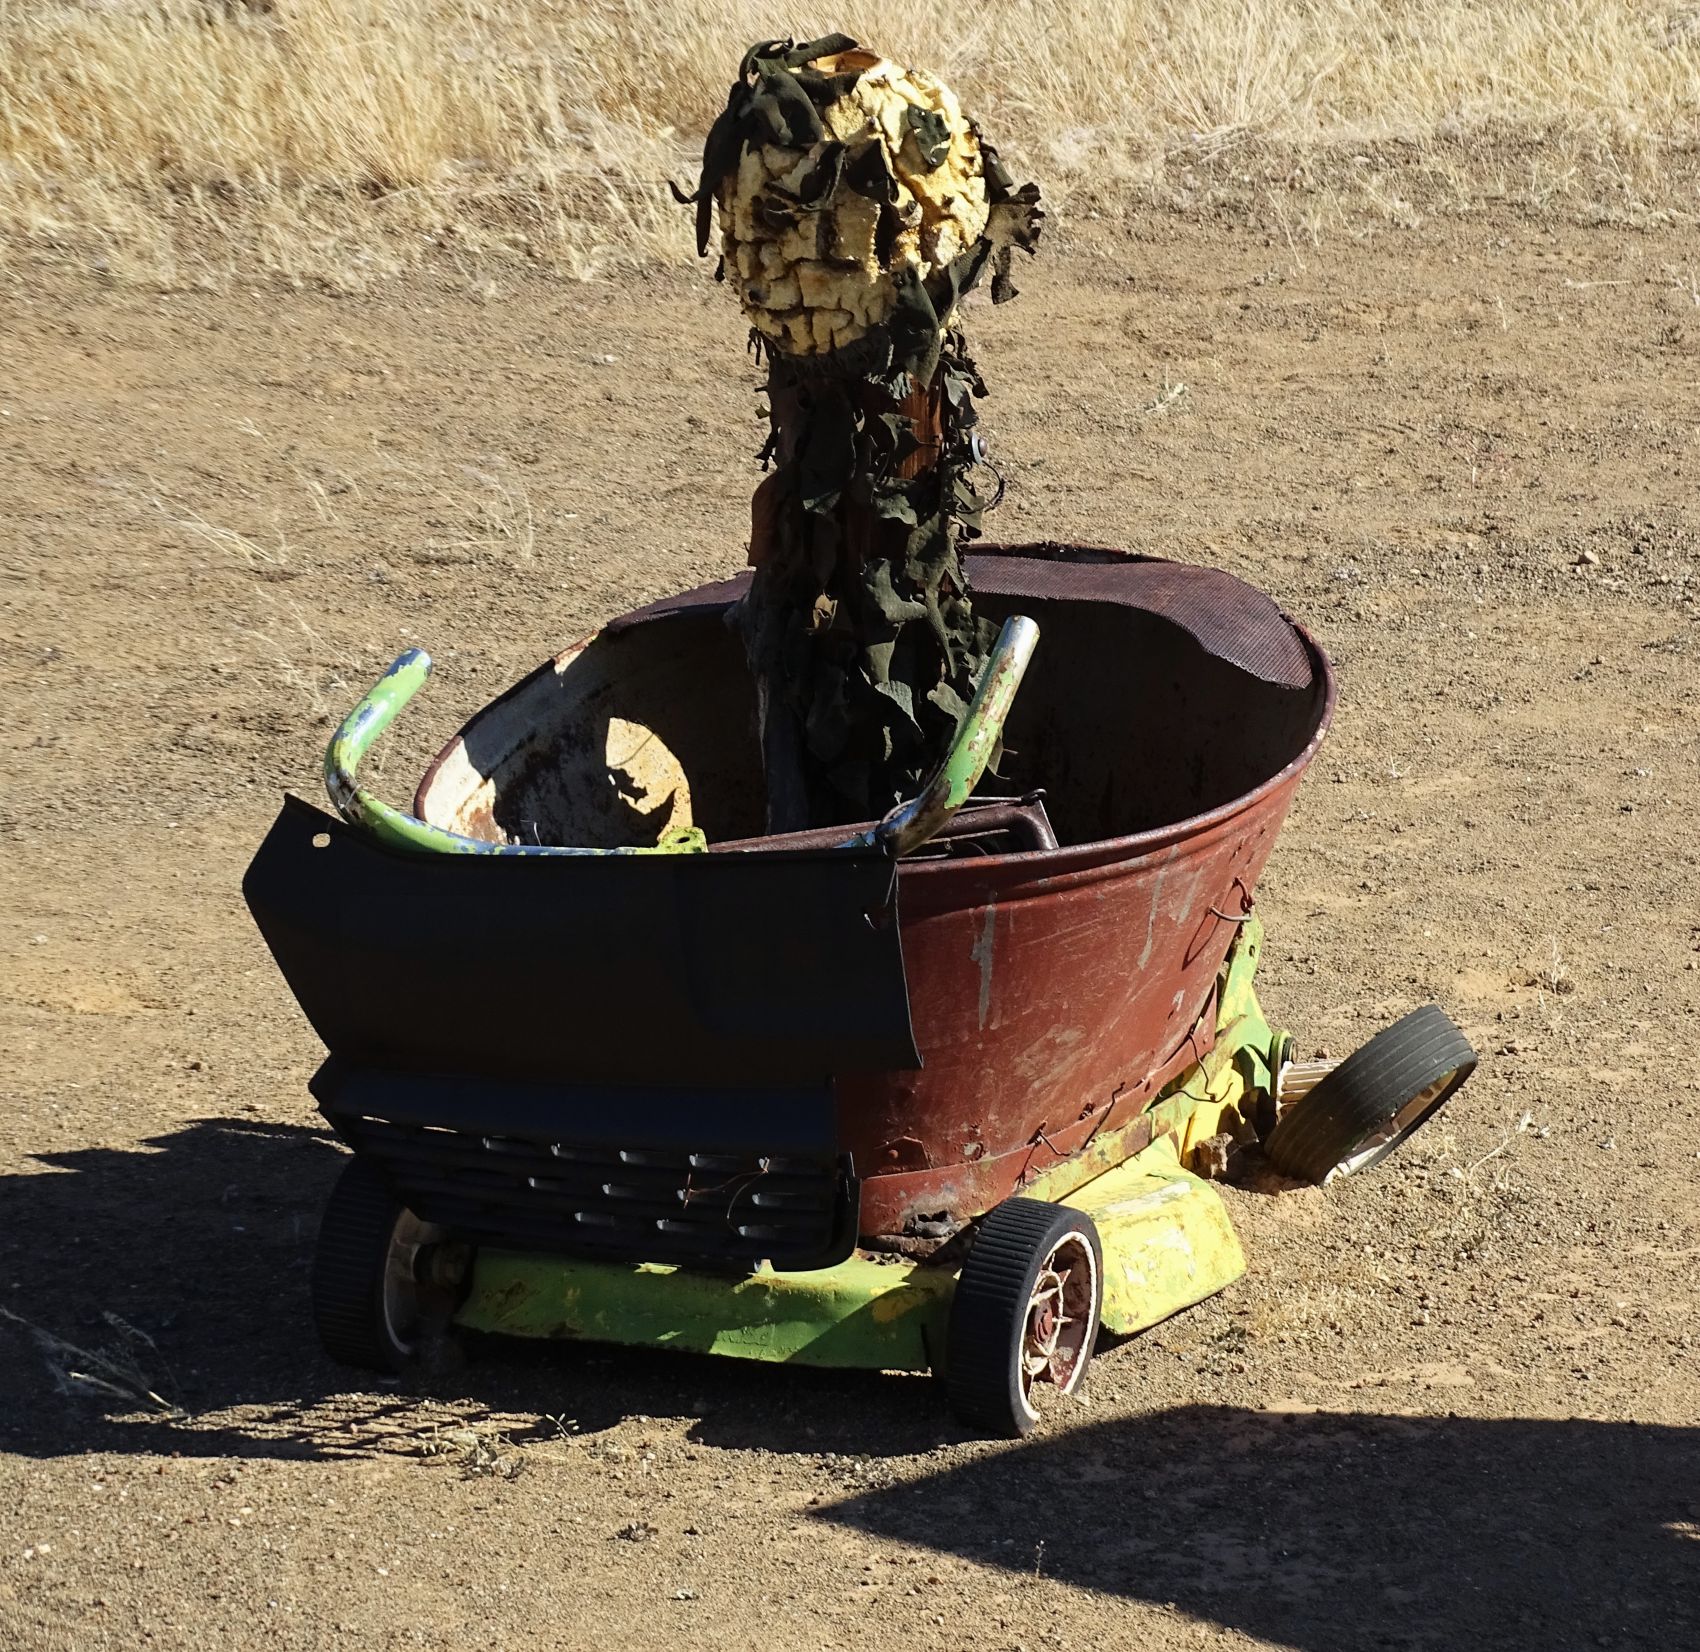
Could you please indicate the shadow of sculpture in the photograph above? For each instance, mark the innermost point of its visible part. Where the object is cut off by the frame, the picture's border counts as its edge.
(1339, 1532)
(156, 1299)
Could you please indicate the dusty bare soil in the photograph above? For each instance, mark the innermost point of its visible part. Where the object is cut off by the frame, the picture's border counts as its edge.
(1452, 1405)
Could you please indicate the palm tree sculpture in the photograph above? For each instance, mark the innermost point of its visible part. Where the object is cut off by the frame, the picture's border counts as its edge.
(857, 204)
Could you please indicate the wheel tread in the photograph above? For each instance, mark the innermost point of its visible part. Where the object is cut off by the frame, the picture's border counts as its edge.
(347, 1279)
(990, 1306)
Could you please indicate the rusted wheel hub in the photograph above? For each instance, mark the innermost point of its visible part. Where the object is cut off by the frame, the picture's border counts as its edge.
(1059, 1318)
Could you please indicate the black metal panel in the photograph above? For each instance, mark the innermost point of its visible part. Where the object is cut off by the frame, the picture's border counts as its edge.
(746, 1118)
(643, 1174)
(696, 970)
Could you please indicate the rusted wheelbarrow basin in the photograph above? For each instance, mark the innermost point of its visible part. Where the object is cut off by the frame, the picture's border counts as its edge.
(945, 1104)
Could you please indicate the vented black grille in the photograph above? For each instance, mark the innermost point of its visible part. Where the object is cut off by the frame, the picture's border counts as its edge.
(637, 1204)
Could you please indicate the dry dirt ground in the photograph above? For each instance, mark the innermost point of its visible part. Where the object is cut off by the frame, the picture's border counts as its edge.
(1453, 1404)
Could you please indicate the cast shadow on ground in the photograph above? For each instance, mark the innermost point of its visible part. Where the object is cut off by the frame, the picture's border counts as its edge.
(1340, 1532)
(188, 1258)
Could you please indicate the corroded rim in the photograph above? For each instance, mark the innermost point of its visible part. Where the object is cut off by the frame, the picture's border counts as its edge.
(403, 1293)
(1061, 1317)
(1373, 1149)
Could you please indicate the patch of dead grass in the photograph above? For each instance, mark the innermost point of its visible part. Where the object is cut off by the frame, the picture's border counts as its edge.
(185, 141)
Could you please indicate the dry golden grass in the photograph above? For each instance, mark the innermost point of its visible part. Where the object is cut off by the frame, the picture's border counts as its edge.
(339, 139)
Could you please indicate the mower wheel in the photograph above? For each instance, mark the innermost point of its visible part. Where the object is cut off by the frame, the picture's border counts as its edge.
(1025, 1314)
(371, 1303)
(1356, 1115)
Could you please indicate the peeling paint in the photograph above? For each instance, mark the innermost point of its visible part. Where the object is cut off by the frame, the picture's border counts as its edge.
(1183, 905)
(1165, 1194)
(1156, 903)
(982, 952)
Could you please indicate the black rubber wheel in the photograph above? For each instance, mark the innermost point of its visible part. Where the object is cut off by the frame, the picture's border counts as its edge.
(1025, 1315)
(1359, 1113)
(368, 1303)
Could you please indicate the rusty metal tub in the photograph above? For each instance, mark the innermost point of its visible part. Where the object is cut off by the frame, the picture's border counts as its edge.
(1168, 717)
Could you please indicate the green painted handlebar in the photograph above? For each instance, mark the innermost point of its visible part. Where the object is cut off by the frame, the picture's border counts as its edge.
(911, 824)
(900, 833)
(405, 677)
